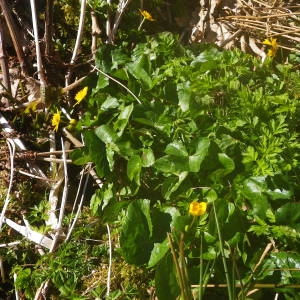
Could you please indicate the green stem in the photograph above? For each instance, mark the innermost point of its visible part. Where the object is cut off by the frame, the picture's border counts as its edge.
(233, 275)
(201, 268)
(230, 296)
(180, 280)
(184, 272)
(140, 26)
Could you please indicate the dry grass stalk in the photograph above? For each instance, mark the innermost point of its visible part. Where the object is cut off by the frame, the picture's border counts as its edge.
(238, 22)
(262, 19)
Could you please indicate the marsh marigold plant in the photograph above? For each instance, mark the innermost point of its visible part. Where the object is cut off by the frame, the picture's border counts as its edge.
(197, 208)
(81, 95)
(56, 120)
(273, 46)
(146, 15)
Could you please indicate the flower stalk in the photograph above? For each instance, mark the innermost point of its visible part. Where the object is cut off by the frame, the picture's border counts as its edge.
(146, 16)
(229, 287)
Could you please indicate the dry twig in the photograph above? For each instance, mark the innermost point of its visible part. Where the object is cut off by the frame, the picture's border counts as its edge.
(15, 36)
(78, 40)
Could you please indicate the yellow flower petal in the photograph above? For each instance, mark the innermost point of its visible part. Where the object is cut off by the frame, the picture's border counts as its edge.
(197, 208)
(271, 52)
(146, 15)
(274, 46)
(81, 95)
(56, 120)
(274, 43)
(267, 42)
(271, 42)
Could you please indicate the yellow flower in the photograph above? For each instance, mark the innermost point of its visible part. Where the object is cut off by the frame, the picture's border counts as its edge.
(81, 95)
(197, 208)
(270, 42)
(272, 52)
(146, 15)
(56, 120)
(274, 46)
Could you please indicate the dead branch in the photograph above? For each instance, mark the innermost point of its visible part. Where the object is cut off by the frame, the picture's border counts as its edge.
(15, 36)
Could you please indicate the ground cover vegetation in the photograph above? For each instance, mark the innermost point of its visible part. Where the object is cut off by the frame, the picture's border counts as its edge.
(194, 157)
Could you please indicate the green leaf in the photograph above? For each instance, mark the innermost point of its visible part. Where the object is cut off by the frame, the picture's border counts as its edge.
(134, 167)
(110, 155)
(139, 69)
(289, 213)
(195, 163)
(270, 215)
(201, 152)
(171, 186)
(158, 252)
(161, 224)
(289, 264)
(96, 152)
(210, 254)
(207, 55)
(118, 57)
(279, 194)
(123, 119)
(207, 60)
(228, 165)
(209, 238)
(254, 190)
(184, 95)
(124, 148)
(103, 58)
(172, 211)
(266, 270)
(202, 146)
(226, 142)
(102, 82)
(255, 187)
(250, 155)
(111, 212)
(165, 279)
(135, 236)
(106, 134)
(148, 158)
(101, 198)
(176, 148)
(236, 222)
(109, 103)
(95, 203)
(80, 156)
(171, 164)
(180, 223)
(211, 196)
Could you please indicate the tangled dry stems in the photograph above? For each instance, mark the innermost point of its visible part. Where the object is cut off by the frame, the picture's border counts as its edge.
(260, 19)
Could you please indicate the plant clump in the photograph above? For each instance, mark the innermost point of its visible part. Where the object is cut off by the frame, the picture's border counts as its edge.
(135, 165)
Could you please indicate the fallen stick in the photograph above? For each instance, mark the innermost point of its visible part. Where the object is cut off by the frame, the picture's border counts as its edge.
(30, 234)
(19, 144)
